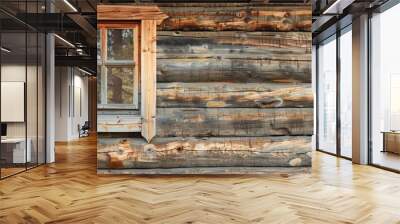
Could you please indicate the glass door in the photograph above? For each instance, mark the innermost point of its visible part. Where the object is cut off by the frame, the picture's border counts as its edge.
(327, 96)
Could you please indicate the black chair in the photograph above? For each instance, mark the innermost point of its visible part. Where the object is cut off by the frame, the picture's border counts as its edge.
(84, 130)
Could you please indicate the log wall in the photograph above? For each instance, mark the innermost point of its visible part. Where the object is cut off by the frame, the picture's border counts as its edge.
(233, 90)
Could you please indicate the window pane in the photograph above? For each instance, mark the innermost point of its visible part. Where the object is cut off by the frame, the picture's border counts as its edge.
(98, 46)
(385, 88)
(120, 44)
(99, 84)
(346, 94)
(120, 85)
(327, 96)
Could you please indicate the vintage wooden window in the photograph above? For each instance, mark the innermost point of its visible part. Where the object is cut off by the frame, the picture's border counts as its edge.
(127, 66)
(118, 63)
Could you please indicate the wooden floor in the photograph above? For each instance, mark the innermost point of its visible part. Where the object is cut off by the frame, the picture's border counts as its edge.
(386, 159)
(70, 192)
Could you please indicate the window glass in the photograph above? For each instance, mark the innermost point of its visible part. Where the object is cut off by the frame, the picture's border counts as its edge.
(14, 156)
(116, 83)
(327, 96)
(99, 84)
(385, 89)
(119, 44)
(346, 94)
(120, 85)
(98, 46)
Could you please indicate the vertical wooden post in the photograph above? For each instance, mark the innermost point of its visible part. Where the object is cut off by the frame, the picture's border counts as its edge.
(148, 78)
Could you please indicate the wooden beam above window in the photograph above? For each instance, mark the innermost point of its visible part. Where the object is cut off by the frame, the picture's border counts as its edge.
(130, 13)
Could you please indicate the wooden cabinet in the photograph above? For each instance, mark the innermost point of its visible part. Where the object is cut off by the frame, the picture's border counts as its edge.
(391, 142)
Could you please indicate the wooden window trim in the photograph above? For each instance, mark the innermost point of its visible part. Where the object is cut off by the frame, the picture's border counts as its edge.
(145, 18)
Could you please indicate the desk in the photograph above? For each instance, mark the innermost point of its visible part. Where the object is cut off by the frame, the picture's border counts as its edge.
(391, 141)
(18, 149)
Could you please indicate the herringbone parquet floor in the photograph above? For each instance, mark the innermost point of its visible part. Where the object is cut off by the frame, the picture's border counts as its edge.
(70, 192)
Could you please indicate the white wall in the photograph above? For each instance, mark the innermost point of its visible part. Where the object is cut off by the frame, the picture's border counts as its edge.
(71, 102)
(62, 82)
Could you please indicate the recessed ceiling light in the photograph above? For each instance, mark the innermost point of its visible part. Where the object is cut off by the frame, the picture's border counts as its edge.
(65, 41)
(337, 7)
(70, 5)
(84, 71)
(5, 50)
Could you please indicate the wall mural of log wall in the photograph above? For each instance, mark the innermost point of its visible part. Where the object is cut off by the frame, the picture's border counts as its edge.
(233, 90)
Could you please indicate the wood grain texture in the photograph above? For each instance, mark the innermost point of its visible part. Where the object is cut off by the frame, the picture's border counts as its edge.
(244, 18)
(233, 57)
(237, 75)
(294, 46)
(129, 13)
(226, 170)
(70, 191)
(234, 95)
(247, 122)
(233, 70)
(148, 78)
(118, 123)
(132, 153)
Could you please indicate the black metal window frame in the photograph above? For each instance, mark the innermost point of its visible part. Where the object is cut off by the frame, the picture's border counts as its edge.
(382, 8)
(337, 35)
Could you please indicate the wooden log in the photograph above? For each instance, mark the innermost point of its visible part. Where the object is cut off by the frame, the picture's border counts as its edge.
(215, 122)
(133, 153)
(244, 18)
(235, 45)
(233, 70)
(130, 13)
(234, 95)
(238, 170)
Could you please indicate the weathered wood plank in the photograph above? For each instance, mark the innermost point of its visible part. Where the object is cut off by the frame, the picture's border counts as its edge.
(234, 45)
(204, 152)
(233, 70)
(130, 13)
(118, 123)
(281, 171)
(214, 122)
(148, 78)
(245, 18)
(234, 95)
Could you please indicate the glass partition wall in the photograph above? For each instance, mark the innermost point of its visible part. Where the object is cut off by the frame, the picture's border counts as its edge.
(345, 92)
(22, 77)
(327, 95)
(334, 94)
(385, 89)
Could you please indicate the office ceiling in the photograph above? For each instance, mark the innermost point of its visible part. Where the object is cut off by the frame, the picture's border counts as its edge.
(331, 15)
